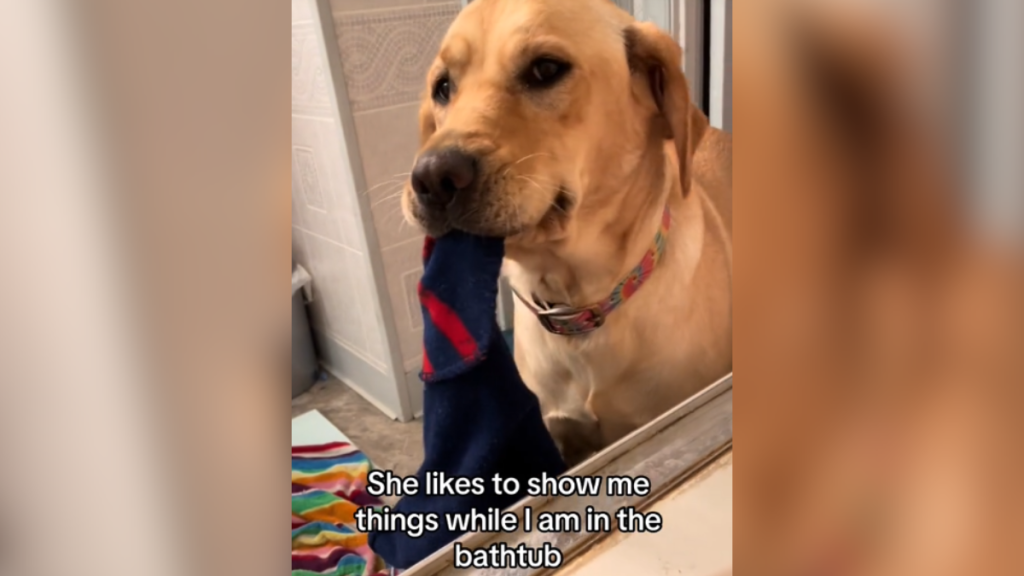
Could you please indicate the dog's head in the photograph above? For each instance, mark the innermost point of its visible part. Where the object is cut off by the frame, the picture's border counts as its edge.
(532, 105)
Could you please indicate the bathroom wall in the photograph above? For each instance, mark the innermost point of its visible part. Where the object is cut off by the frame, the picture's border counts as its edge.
(385, 53)
(359, 69)
(333, 234)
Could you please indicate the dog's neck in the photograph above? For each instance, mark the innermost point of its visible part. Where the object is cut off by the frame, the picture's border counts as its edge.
(608, 235)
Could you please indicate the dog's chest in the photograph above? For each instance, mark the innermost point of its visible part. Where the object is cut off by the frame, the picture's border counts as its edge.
(607, 358)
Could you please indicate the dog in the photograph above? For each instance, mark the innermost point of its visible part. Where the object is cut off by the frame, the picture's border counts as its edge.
(567, 128)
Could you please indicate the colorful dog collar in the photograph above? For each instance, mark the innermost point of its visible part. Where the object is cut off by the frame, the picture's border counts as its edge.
(571, 320)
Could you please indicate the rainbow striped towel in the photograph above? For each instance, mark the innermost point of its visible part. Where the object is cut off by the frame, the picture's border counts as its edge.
(328, 486)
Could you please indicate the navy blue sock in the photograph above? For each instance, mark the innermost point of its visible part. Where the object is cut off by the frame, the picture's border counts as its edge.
(479, 419)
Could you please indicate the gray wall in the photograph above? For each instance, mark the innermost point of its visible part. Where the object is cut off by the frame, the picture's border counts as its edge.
(358, 69)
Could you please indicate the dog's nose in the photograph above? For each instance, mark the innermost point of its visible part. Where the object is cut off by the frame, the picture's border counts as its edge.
(439, 175)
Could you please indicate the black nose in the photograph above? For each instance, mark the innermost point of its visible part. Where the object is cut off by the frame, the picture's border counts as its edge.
(441, 174)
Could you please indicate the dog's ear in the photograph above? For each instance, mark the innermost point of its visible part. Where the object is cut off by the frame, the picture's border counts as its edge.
(427, 124)
(657, 60)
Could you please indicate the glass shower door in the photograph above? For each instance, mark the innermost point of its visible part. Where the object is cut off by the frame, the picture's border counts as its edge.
(660, 12)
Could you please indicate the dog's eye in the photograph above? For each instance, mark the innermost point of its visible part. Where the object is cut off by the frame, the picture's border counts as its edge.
(442, 90)
(545, 72)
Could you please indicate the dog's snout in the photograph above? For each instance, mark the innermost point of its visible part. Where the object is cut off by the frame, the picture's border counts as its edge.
(440, 175)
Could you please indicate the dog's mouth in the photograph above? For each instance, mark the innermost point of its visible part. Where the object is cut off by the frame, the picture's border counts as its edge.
(564, 202)
(485, 216)
(561, 209)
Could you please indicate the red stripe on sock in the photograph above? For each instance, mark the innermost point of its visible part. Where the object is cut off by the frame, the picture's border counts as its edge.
(428, 248)
(449, 324)
(428, 368)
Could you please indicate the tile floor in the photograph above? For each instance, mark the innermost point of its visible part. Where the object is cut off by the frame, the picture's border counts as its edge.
(391, 445)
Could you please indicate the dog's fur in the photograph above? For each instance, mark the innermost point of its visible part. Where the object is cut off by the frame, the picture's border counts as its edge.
(576, 176)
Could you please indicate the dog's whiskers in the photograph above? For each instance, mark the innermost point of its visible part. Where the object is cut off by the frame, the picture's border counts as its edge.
(397, 211)
(531, 181)
(396, 178)
(391, 213)
(524, 158)
(386, 198)
(552, 204)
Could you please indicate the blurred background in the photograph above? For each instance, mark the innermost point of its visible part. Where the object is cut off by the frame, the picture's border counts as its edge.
(145, 329)
(878, 296)
(147, 150)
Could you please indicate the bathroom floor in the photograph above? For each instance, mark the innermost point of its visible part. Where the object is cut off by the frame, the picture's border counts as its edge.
(390, 445)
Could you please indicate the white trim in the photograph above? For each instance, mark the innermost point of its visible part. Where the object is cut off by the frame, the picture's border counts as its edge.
(691, 38)
(716, 76)
(343, 115)
(384, 408)
(994, 92)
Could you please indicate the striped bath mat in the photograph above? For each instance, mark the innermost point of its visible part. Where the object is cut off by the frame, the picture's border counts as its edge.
(328, 486)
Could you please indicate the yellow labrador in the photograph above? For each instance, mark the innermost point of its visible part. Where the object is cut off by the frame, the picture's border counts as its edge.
(567, 127)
